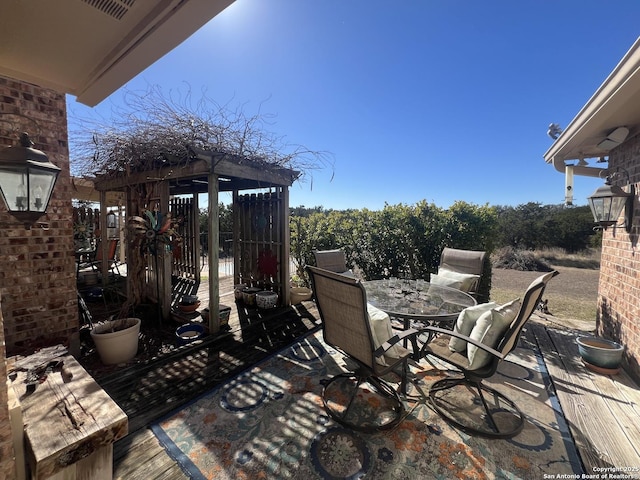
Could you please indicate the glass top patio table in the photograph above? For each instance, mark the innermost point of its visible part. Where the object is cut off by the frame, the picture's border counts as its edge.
(417, 300)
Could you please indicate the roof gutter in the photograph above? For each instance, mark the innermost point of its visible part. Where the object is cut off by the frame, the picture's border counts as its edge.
(600, 103)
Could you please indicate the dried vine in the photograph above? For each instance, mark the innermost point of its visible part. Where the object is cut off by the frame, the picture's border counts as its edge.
(151, 129)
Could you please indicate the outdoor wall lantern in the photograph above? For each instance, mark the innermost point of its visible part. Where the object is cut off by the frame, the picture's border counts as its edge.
(27, 178)
(608, 201)
(111, 219)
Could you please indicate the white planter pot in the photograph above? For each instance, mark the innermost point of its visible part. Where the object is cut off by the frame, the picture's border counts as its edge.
(266, 299)
(114, 343)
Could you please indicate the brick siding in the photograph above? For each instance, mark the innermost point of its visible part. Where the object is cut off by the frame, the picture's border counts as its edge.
(37, 267)
(619, 288)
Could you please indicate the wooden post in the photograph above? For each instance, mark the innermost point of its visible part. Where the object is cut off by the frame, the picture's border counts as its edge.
(285, 235)
(121, 233)
(131, 209)
(195, 229)
(214, 254)
(104, 239)
(235, 212)
(164, 259)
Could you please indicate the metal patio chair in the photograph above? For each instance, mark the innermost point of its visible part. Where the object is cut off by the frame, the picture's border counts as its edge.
(342, 304)
(112, 249)
(332, 260)
(498, 417)
(470, 262)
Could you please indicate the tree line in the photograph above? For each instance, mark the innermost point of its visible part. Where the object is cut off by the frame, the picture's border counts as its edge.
(530, 226)
(406, 240)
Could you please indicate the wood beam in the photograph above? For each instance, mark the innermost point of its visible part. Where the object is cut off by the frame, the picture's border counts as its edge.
(104, 240)
(213, 257)
(257, 175)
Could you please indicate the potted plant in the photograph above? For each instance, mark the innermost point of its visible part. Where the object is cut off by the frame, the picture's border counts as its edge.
(116, 340)
(600, 354)
(299, 291)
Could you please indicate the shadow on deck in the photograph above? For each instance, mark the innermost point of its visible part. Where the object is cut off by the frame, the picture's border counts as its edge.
(602, 412)
(166, 374)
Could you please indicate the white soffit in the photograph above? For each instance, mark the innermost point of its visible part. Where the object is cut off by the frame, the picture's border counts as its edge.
(90, 48)
(615, 104)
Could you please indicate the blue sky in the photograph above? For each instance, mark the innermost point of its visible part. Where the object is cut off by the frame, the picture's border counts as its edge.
(414, 99)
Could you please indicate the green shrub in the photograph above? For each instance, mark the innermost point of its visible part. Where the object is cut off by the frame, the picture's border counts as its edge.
(398, 241)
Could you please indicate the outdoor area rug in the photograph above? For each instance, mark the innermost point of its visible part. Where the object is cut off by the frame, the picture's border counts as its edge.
(269, 422)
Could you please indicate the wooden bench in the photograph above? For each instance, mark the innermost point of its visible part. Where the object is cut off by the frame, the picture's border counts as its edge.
(70, 423)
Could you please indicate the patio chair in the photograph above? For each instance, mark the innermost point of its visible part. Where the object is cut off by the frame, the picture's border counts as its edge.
(112, 249)
(359, 399)
(464, 400)
(461, 269)
(332, 260)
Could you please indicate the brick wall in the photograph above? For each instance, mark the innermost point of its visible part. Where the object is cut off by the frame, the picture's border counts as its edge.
(37, 267)
(37, 275)
(619, 289)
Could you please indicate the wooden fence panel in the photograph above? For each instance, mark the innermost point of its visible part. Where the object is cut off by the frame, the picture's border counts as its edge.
(259, 241)
(186, 263)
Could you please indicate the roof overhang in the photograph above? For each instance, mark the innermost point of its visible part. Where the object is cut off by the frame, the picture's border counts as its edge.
(595, 130)
(84, 189)
(90, 48)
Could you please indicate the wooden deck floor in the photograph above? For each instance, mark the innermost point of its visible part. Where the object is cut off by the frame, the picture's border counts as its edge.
(160, 383)
(602, 412)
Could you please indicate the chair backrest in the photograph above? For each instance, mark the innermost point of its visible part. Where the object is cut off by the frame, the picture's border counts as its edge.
(111, 250)
(342, 304)
(529, 303)
(332, 260)
(462, 261)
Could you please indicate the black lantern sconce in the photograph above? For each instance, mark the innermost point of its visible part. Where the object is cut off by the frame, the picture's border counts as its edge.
(608, 201)
(111, 219)
(27, 178)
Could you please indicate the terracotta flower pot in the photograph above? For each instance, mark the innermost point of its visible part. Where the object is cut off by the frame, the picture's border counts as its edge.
(116, 340)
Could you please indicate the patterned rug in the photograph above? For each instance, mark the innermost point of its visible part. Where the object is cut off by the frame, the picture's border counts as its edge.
(269, 422)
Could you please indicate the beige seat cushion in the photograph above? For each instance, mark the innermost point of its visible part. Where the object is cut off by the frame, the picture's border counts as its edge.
(488, 330)
(466, 321)
(467, 280)
(381, 331)
(445, 281)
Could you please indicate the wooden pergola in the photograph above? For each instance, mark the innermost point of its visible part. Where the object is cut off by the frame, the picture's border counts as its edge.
(261, 226)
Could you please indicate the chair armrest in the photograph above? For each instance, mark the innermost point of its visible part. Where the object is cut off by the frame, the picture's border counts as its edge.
(395, 339)
(451, 333)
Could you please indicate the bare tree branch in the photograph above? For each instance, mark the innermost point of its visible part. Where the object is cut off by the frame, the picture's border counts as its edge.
(151, 128)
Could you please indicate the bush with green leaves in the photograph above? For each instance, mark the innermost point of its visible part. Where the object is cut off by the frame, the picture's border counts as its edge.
(397, 241)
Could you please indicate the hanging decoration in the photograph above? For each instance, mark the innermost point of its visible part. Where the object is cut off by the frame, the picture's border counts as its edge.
(260, 221)
(267, 264)
(157, 232)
